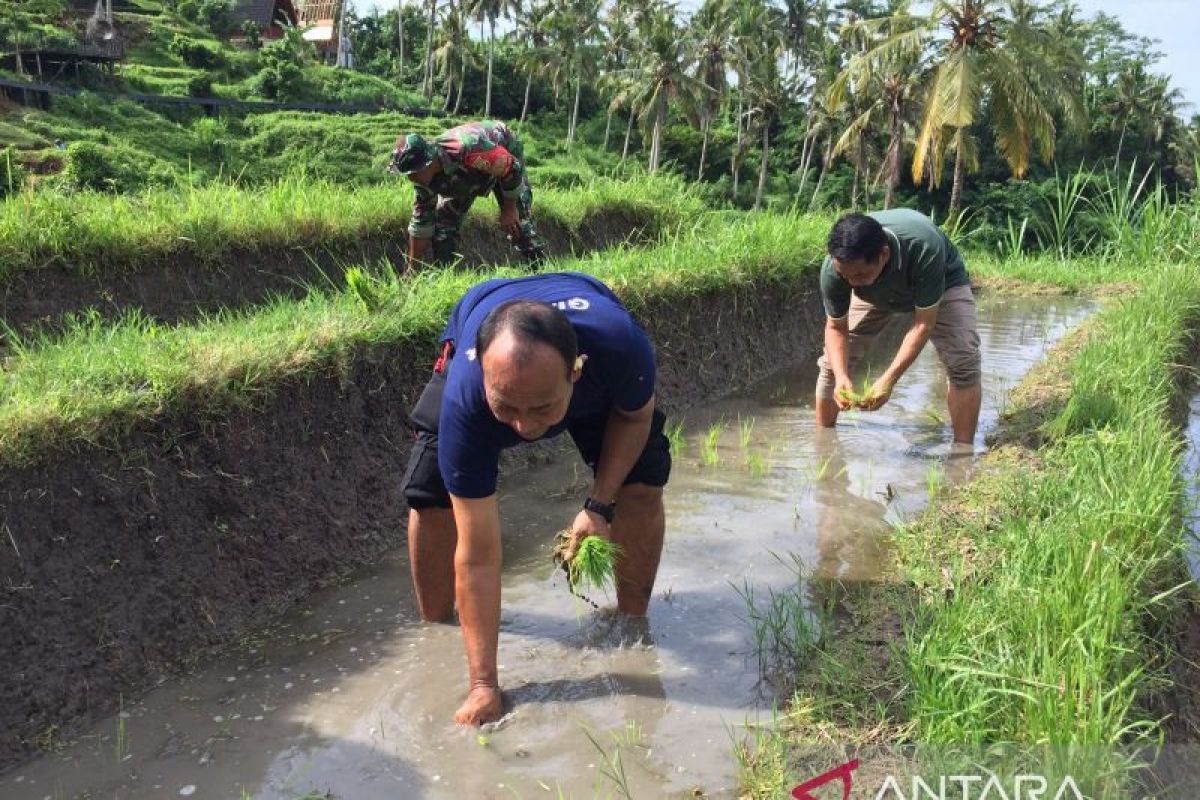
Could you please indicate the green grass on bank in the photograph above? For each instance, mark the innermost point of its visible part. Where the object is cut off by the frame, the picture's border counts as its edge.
(1041, 587)
(1045, 638)
(99, 232)
(98, 379)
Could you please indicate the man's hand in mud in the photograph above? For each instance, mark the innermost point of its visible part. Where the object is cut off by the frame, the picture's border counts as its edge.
(509, 221)
(483, 705)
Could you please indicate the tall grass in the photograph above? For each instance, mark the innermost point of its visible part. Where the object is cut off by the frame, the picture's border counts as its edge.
(98, 378)
(1045, 643)
(101, 232)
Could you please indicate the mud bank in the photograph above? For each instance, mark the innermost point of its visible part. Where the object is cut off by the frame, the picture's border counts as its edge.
(185, 286)
(124, 562)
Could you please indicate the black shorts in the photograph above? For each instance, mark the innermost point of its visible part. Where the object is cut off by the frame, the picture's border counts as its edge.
(422, 483)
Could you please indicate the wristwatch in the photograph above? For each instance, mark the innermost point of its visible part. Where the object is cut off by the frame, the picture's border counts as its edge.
(606, 510)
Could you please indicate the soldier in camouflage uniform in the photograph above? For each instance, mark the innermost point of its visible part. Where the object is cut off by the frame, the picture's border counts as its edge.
(449, 173)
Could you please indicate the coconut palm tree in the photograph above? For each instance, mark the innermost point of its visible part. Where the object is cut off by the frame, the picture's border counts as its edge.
(431, 26)
(533, 28)
(662, 77)
(880, 93)
(454, 56)
(582, 18)
(767, 94)
(717, 52)
(491, 10)
(985, 64)
(758, 33)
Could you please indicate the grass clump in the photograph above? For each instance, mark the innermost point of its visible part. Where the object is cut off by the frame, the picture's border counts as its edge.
(709, 455)
(102, 233)
(676, 441)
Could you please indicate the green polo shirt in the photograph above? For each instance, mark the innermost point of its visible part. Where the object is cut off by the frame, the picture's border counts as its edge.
(924, 264)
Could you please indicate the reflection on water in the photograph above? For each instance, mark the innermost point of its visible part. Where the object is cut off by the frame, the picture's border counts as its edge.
(350, 695)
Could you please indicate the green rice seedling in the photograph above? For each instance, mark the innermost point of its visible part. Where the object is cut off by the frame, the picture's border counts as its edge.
(745, 431)
(786, 629)
(612, 767)
(859, 396)
(365, 288)
(758, 464)
(676, 441)
(121, 741)
(709, 456)
(593, 564)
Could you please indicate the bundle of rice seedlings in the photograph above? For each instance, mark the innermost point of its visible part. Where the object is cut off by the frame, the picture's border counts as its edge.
(859, 397)
(592, 565)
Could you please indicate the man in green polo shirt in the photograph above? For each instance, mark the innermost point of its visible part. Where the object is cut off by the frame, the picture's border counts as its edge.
(897, 262)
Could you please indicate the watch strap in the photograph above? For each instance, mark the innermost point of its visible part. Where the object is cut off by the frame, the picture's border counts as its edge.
(606, 510)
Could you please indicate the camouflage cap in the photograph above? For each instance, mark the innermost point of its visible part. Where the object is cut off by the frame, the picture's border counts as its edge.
(411, 153)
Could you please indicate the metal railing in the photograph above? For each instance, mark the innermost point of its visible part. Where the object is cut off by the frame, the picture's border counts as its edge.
(21, 91)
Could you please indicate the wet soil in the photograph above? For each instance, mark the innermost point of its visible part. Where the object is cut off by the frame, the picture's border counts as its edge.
(348, 694)
(184, 286)
(122, 562)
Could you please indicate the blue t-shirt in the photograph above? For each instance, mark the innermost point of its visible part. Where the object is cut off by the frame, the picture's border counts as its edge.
(619, 372)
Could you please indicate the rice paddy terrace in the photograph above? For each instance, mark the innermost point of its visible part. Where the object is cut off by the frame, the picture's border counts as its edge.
(203, 590)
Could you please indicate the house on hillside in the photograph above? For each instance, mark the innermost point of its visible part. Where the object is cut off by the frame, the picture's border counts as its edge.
(271, 16)
(320, 20)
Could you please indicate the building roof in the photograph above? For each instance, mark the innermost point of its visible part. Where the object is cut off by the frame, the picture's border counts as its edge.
(264, 12)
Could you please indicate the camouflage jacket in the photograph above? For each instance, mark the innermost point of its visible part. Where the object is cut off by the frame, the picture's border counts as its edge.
(475, 158)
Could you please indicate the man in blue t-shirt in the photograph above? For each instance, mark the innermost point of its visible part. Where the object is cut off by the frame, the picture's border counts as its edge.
(526, 359)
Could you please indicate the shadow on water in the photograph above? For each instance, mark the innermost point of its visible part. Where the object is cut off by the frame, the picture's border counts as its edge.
(350, 695)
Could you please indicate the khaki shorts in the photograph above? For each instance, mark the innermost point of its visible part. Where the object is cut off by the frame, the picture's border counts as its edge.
(955, 335)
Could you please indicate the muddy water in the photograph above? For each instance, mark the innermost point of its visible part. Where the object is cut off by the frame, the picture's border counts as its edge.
(350, 696)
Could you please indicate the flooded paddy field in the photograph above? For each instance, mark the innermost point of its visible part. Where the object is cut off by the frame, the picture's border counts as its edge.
(350, 696)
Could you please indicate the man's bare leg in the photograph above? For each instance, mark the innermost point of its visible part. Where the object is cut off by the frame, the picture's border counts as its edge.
(432, 539)
(638, 528)
(964, 404)
(827, 412)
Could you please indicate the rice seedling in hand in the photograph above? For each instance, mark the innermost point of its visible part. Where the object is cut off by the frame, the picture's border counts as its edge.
(591, 565)
(859, 396)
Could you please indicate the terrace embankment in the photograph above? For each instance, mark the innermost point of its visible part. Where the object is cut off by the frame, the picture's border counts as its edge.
(123, 561)
(184, 285)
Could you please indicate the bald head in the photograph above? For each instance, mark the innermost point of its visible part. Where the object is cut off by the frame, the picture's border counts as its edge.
(527, 351)
(528, 324)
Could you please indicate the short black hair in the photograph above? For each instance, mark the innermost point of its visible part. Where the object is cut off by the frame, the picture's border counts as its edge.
(530, 321)
(855, 237)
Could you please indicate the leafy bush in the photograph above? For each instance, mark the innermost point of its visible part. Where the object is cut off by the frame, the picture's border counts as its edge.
(200, 86)
(196, 54)
(282, 75)
(253, 33)
(12, 172)
(217, 15)
(111, 168)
